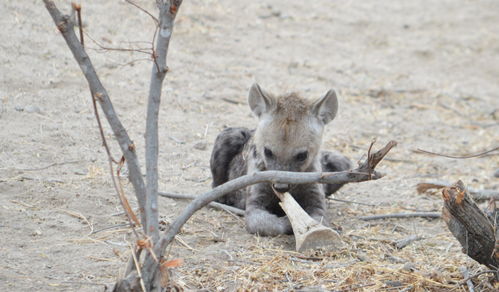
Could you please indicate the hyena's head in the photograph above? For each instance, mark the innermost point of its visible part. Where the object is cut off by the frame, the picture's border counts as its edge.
(289, 132)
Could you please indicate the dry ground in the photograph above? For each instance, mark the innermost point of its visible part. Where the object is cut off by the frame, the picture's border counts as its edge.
(424, 73)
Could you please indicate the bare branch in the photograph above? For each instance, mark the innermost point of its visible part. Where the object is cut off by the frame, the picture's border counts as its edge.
(351, 202)
(215, 205)
(402, 215)
(66, 27)
(167, 16)
(465, 156)
(147, 51)
(156, 21)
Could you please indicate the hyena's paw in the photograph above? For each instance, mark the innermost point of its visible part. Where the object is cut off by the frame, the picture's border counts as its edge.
(285, 225)
(265, 224)
(332, 161)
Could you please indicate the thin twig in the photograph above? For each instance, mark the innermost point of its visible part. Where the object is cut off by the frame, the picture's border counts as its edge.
(48, 166)
(102, 47)
(77, 7)
(216, 205)
(402, 215)
(110, 227)
(132, 218)
(101, 130)
(351, 202)
(478, 195)
(369, 155)
(156, 21)
(137, 267)
(401, 243)
(79, 216)
(465, 156)
(466, 275)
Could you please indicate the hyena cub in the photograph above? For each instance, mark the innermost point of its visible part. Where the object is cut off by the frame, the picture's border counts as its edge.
(288, 137)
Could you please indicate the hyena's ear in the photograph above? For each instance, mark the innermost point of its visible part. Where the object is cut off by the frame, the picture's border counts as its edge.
(259, 101)
(325, 108)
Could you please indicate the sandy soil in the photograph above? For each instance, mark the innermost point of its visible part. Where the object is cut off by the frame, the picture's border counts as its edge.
(421, 72)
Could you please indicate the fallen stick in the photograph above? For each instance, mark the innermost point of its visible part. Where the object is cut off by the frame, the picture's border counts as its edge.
(214, 205)
(477, 195)
(402, 215)
(401, 243)
(350, 202)
(309, 234)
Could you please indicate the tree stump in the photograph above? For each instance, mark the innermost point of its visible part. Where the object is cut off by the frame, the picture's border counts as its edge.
(475, 230)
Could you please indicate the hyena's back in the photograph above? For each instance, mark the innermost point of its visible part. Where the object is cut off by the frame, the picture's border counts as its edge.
(227, 162)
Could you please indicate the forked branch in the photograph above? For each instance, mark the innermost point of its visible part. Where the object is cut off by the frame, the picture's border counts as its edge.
(363, 173)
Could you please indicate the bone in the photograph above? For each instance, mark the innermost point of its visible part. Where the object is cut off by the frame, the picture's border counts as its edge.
(309, 234)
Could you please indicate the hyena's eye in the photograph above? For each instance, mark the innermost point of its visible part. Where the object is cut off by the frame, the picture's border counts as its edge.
(302, 156)
(268, 152)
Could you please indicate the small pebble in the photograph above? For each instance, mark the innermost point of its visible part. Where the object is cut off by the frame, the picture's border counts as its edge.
(391, 283)
(19, 108)
(81, 172)
(409, 267)
(32, 109)
(200, 145)
(496, 173)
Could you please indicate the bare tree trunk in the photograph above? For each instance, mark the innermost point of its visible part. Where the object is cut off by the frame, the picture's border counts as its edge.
(167, 13)
(146, 196)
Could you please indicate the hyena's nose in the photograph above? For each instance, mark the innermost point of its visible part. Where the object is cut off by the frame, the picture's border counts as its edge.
(281, 188)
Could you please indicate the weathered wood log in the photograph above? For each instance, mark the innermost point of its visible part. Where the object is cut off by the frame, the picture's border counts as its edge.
(470, 226)
(309, 233)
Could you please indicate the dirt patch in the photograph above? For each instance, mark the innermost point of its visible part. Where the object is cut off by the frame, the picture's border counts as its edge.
(422, 73)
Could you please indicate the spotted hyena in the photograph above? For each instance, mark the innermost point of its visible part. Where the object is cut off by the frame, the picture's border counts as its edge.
(288, 137)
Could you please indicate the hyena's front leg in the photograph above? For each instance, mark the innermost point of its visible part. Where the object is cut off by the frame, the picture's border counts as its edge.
(332, 161)
(259, 219)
